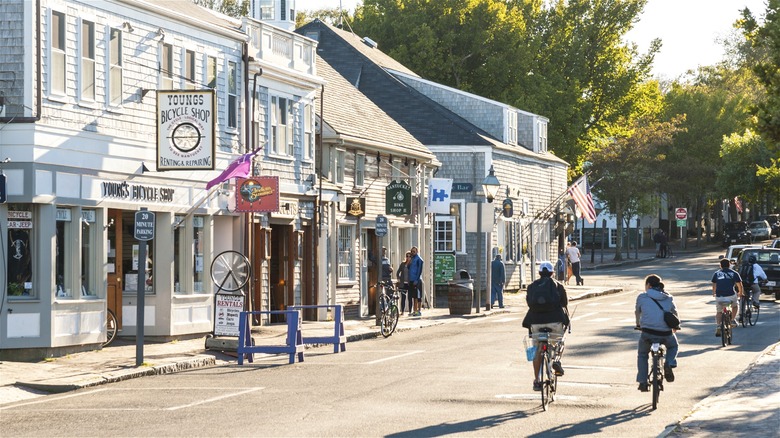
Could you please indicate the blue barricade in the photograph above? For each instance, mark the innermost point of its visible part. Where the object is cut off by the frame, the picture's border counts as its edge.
(339, 339)
(294, 339)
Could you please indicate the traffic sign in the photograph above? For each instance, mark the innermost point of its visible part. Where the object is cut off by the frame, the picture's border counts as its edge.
(381, 226)
(682, 222)
(681, 213)
(144, 225)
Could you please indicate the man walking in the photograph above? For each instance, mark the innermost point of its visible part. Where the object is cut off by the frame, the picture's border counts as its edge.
(415, 277)
(573, 253)
(497, 280)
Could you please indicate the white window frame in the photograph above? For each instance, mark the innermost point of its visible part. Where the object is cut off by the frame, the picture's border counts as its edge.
(32, 234)
(63, 256)
(58, 55)
(346, 253)
(211, 71)
(444, 234)
(339, 160)
(542, 126)
(308, 132)
(166, 66)
(267, 9)
(87, 67)
(114, 67)
(232, 96)
(512, 127)
(88, 254)
(360, 169)
(189, 68)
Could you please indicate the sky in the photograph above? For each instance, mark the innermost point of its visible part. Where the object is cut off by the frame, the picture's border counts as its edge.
(689, 29)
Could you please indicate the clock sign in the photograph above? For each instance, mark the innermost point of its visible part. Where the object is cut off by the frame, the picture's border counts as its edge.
(185, 130)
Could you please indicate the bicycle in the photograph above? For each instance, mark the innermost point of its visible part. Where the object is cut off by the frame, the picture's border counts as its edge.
(388, 306)
(550, 354)
(725, 325)
(748, 314)
(111, 327)
(655, 376)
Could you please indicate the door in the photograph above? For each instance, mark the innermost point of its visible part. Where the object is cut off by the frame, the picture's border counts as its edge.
(114, 277)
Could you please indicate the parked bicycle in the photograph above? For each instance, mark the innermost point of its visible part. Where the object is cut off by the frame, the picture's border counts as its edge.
(725, 325)
(551, 346)
(748, 313)
(388, 306)
(111, 327)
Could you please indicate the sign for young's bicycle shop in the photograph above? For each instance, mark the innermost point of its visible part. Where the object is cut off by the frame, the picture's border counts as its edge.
(186, 134)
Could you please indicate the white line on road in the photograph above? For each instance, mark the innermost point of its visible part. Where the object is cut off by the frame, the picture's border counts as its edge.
(590, 367)
(213, 399)
(622, 303)
(507, 319)
(533, 396)
(577, 318)
(629, 320)
(49, 399)
(393, 357)
(600, 319)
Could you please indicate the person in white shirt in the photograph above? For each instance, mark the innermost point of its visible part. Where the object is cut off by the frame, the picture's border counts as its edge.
(573, 254)
(753, 286)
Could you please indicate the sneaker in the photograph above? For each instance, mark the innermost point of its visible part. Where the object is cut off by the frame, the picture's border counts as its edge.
(643, 387)
(558, 368)
(717, 332)
(668, 373)
(537, 386)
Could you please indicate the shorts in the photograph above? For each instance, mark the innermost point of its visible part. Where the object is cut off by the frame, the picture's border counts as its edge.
(555, 335)
(720, 302)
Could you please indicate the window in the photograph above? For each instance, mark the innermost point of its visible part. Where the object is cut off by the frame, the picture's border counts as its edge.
(444, 234)
(87, 76)
(282, 10)
(179, 248)
(308, 127)
(63, 281)
(130, 255)
(115, 69)
(184, 267)
(58, 58)
(88, 269)
(199, 241)
(542, 136)
(211, 72)
(281, 125)
(267, 9)
(232, 110)
(166, 67)
(512, 127)
(324, 164)
(19, 266)
(360, 170)
(346, 252)
(509, 240)
(189, 70)
(339, 166)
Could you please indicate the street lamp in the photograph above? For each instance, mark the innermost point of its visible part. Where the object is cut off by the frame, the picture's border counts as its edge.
(490, 186)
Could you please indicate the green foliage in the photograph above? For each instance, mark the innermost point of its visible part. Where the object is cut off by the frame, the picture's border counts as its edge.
(232, 8)
(748, 165)
(332, 16)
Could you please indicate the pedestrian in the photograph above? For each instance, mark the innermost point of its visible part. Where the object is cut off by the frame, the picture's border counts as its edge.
(402, 274)
(724, 282)
(573, 254)
(664, 244)
(650, 307)
(387, 268)
(657, 240)
(415, 280)
(561, 266)
(547, 308)
(497, 280)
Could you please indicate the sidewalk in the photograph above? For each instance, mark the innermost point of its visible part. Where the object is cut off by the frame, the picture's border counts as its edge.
(24, 380)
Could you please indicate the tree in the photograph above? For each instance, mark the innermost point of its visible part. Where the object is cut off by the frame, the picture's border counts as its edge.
(332, 16)
(747, 168)
(232, 8)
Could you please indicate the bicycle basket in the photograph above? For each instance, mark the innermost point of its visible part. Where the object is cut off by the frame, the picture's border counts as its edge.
(530, 349)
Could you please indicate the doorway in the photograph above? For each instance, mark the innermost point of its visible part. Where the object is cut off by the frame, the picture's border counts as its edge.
(281, 270)
(114, 277)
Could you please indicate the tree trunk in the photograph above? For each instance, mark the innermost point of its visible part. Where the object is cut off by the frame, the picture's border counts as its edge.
(619, 237)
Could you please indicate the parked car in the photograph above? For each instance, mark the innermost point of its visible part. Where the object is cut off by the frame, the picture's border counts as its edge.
(769, 260)
(736, 232)
(733, 252)
(774, 222)
(760, 230)
(775, 244)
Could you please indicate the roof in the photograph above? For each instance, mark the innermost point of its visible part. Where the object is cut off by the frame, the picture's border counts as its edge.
(189, 11)
(348, 112)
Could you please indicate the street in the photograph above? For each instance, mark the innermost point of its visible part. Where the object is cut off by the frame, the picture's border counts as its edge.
(462, 378)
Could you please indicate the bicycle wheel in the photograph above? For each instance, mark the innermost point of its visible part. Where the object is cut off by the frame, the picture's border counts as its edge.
(656, 380)
(544, 377)
(754, 315)
(393, 315)
(723, 327)
(744, 311)
(384, 321)
(111, 327)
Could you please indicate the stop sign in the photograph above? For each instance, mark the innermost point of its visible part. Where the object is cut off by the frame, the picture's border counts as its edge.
(681, 213)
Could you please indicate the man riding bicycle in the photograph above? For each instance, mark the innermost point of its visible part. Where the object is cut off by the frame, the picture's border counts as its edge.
(752, 281)
(547, 308)
(650, 320)
(724, 280)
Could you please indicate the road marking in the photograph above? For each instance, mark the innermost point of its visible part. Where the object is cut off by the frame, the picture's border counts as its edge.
(629, 320)
(507, 319)
(622, 303)
(589, 385)
(534, 397)
(213, 399)
(577, 318)
(393, 357)
(590, 367)
(49, 399)
(600, 319)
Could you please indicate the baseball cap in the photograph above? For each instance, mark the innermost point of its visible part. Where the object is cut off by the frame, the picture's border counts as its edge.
(545, 266)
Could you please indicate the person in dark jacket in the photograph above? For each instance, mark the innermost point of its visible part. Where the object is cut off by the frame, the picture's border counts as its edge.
(403, 283)
(497, 280)
(650, 320)
(553, 315)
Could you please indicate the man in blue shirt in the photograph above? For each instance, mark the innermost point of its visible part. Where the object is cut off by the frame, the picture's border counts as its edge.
(415, 280)
(497, 280)
(724, 280)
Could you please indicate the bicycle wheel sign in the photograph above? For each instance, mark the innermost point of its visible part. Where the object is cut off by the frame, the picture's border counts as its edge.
(230, 272)
(228, 308)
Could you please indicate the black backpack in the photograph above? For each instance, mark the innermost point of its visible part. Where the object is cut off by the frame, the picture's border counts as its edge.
(543, 296)
(746, 272)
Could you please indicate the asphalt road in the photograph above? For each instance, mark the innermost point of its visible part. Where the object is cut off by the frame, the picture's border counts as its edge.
(464, 378)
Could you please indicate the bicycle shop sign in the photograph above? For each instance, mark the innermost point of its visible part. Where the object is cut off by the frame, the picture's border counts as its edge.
(136, 192)
(186, 137)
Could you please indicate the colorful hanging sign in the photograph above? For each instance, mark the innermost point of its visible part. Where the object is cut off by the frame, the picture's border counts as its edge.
(259, 194)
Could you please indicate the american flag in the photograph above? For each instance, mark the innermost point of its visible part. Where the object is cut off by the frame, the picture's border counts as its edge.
(738, 204)
(580, 192)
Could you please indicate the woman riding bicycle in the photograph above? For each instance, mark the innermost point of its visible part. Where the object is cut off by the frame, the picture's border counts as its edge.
(650, 307)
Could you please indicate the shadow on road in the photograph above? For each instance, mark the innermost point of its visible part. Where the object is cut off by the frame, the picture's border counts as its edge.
(595, 425)
(464, 426)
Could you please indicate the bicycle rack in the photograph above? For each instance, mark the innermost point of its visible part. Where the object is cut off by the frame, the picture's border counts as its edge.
(294, 345)
(339, 339)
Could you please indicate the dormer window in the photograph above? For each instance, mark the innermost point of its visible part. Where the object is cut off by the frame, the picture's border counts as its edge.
(542, 138)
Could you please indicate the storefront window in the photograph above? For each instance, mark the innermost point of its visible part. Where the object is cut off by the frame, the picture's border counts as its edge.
(63, 284)
(20, 245)
(130, 255)
(88, 254)
(199, 237)
(179, 248)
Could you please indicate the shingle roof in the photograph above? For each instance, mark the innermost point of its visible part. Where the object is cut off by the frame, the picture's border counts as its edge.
(189, 10)
(349, 112)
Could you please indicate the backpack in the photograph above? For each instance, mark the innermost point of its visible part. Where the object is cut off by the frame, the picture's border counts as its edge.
(543, 296)
(746, 272)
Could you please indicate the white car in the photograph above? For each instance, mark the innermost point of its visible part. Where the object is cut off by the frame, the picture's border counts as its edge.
(733, 252)
(761, 230)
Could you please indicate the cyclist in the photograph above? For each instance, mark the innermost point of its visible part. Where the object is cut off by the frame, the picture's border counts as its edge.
(751, 284)
(650, 320)
(724, 280)
(547, 308)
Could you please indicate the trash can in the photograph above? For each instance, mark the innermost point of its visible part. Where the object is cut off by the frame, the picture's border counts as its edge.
(461, 293)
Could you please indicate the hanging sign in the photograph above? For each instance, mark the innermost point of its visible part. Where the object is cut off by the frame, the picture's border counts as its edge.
(186, 137)
(507, 208)
(259, 194)
(356, 207)
(398, 198)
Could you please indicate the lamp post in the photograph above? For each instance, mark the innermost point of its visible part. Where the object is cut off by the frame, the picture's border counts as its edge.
(490, 186)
